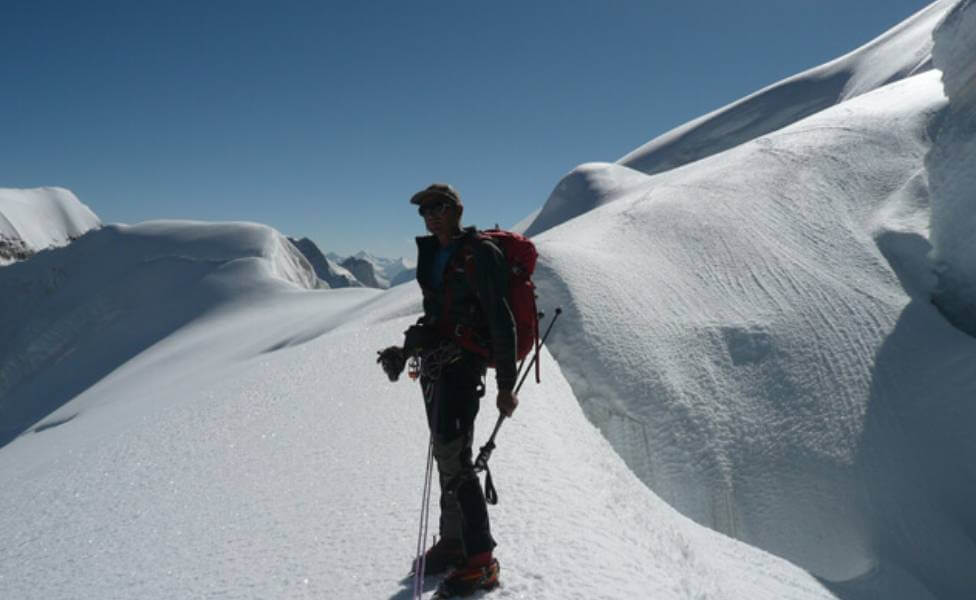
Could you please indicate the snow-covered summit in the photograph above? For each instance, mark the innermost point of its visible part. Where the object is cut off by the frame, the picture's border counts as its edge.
(35, 219)
(389, 268)
(365, 271)
(328, 271)
(376, 271)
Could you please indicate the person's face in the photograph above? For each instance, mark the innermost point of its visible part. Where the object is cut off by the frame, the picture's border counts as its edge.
(440, 216)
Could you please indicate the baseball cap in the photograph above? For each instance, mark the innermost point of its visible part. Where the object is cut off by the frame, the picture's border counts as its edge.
(437, 190)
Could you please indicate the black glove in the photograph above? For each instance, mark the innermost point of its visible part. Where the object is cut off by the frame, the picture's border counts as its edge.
(393, 360)
(417, 338)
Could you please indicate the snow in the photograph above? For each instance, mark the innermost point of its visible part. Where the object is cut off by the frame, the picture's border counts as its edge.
(331, 274)
(387, 272)
(748, 346)
(953, 52)
(952, 170)
(256, 450)
(752, 333)
(365, 272)
(586, 187)
(35, 219)
(903, 51)
(525, 222)
(70, 316)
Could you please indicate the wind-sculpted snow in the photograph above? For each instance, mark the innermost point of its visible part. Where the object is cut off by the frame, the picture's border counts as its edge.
(901, 52)
(69, 316)
(955, 43)
(583, 189)
(207, 468)
(36, 219)
(752, 333)
(952, 170)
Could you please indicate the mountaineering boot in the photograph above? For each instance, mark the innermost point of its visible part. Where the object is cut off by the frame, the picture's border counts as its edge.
(480, 573)
(446, 554)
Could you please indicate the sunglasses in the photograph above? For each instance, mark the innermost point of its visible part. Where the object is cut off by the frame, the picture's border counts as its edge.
(434, 209)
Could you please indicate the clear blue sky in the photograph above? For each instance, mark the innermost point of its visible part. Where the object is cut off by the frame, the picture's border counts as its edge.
(322, 118)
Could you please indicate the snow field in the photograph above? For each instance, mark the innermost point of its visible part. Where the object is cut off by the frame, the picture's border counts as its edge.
(751, 330)
(72, 315)
(297, 473)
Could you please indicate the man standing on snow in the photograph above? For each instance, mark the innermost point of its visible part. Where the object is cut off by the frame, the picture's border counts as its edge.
(464, 279)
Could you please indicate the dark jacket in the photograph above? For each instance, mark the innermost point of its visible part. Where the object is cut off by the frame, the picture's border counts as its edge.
(483, 307)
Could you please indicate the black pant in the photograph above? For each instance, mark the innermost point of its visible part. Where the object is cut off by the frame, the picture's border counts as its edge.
(452, 404)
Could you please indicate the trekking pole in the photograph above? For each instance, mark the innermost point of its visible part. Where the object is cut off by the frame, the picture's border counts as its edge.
(481, 464)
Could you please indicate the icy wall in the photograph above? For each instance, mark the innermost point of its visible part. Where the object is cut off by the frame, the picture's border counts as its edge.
(952, 170)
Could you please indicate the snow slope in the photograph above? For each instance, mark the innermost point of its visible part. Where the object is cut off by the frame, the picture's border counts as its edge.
(586, 187)
(70, 316)
(952, 170)
(405, 276)
(753, 334)
(903, 51)
(258, 451)
(36, 219)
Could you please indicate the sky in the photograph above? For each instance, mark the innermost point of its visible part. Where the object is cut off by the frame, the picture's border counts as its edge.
(321, 119)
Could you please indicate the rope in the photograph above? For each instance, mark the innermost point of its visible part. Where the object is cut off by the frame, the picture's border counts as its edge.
(420, 561)
(433, 361)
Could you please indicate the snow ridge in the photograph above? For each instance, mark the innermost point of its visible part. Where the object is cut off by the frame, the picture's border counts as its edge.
(73, 314)
(901, 52)
(586, 187)
(35, 219)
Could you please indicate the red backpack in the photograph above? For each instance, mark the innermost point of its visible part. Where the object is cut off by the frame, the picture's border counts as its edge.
(521, 256)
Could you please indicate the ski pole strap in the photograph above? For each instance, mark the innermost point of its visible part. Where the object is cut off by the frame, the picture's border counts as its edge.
(491, 495)
(481, 464)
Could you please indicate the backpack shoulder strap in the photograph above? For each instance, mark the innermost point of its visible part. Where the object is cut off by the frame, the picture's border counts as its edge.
(465, 255)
